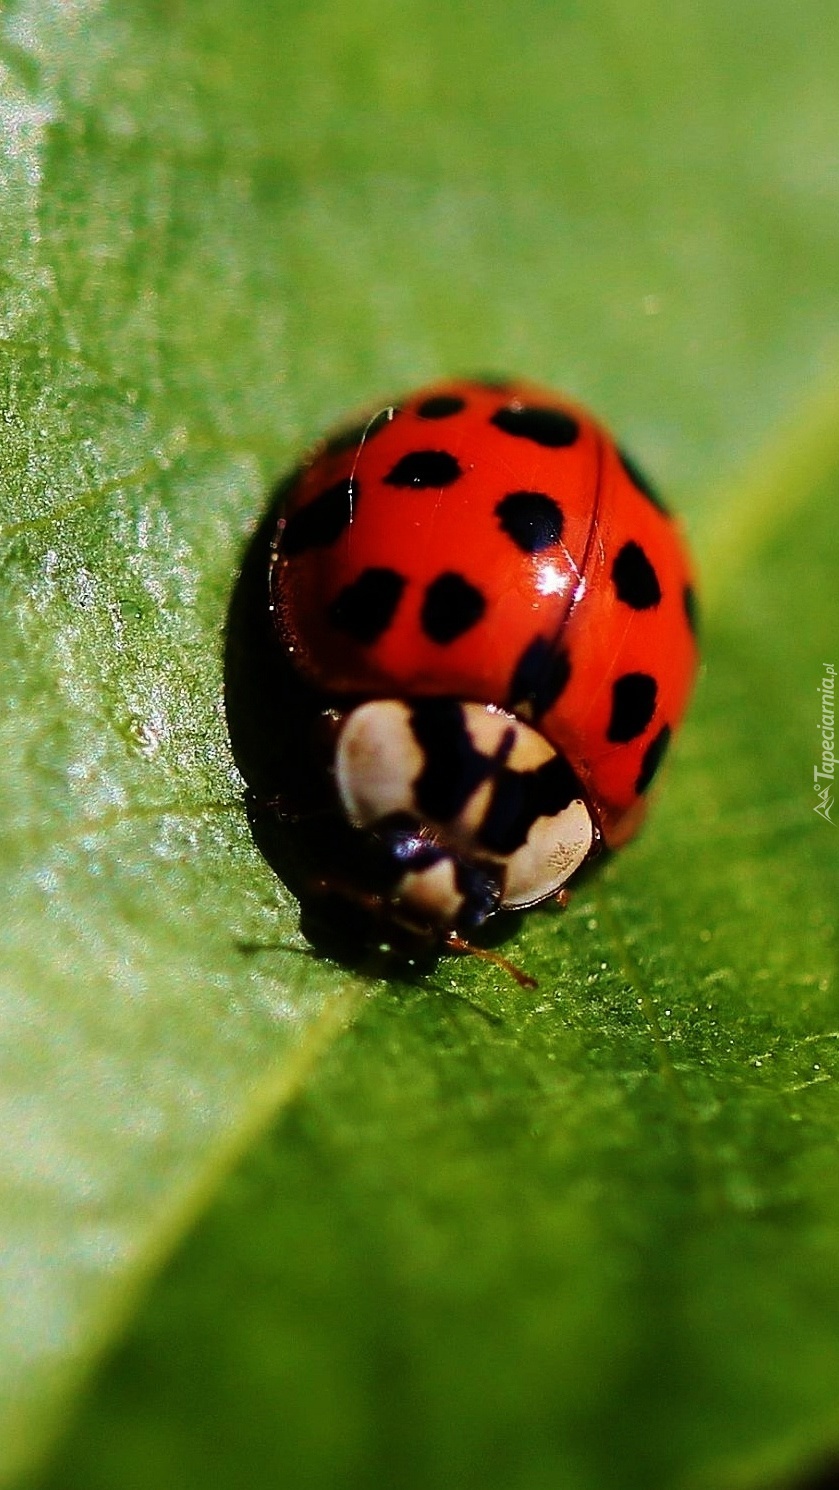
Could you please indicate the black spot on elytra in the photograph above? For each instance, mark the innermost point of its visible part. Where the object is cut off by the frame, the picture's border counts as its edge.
(641, 481)
(634, 578)
(520, 797)
(441, 406)
(450, 608)
(531, 518)
(365, 609)
(321, 521)
(633, 705)
(540, 677)
(425, 468)
(354, 434)
(691, 609)
(452, 768)
(653, 756)
(542, 425)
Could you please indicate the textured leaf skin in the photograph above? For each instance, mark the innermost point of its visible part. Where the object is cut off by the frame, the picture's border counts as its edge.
(585, 1237)
(590, 1232)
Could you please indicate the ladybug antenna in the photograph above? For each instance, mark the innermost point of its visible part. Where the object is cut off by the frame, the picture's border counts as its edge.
(455, 943)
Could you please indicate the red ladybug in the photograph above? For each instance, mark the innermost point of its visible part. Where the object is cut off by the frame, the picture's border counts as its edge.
(493, 617)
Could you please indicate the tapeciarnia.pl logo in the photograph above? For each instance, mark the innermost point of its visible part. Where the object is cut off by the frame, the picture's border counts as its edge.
(827, 693)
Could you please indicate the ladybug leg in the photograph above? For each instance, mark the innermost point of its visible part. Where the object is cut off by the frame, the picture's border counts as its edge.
(380, 908)
(455, 943)
(322, 887)
(562, 897)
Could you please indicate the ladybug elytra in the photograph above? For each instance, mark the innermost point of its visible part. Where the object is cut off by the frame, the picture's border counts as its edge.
(491, 617)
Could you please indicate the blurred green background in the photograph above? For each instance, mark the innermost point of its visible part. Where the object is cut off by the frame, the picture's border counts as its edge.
(264, 1221)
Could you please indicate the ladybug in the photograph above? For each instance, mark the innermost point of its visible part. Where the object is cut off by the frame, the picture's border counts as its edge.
(487, 617)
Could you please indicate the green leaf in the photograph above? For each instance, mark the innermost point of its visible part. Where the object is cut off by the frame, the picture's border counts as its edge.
(587, 1236)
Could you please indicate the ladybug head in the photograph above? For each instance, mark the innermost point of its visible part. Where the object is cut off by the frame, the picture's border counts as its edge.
(473, 810)
(435, 887)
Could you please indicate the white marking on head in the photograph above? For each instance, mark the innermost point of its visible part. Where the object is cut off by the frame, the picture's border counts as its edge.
(431, 894)
(377, 761)
(555, 848)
